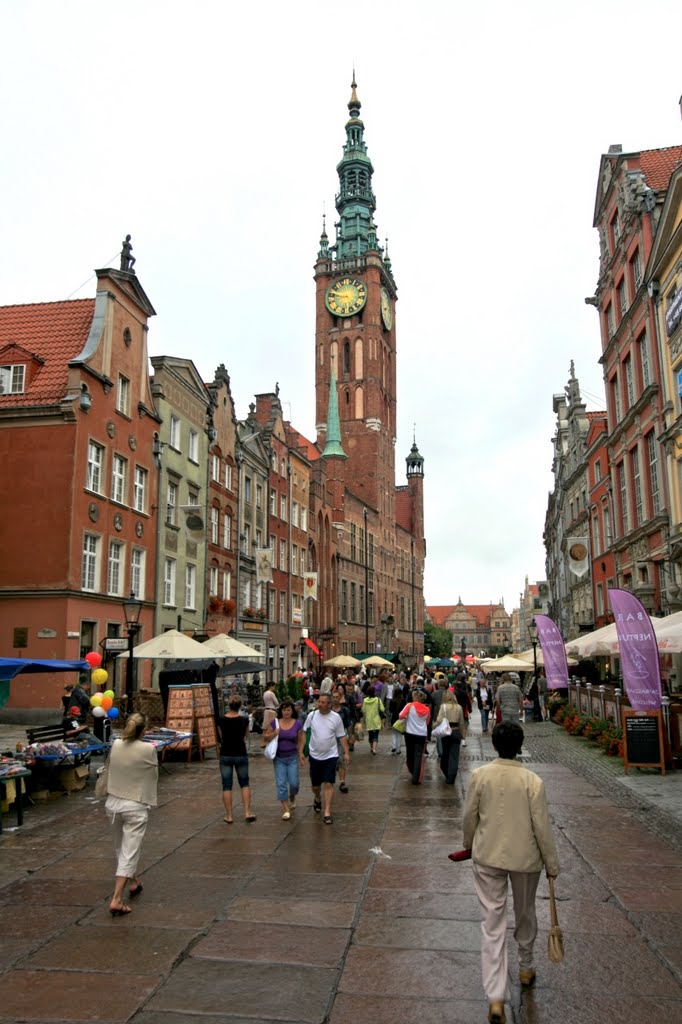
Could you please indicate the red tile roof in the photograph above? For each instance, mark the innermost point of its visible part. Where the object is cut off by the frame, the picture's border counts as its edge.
(54, 332)
(481, 612)
(659, 164)
(297, 440)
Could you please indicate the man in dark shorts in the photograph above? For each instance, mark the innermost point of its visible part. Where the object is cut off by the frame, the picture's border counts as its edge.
(326, 731)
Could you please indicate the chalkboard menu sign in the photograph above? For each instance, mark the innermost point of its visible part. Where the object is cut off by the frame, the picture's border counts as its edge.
(643, 740)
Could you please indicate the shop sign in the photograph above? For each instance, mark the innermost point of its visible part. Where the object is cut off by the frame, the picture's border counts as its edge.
(673, 313)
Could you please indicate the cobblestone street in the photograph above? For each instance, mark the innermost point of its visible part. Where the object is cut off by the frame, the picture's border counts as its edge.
(366, 920)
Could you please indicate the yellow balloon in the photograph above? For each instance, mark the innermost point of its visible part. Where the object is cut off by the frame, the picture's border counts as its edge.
(96, 700)
(109, 693)
(99, 676)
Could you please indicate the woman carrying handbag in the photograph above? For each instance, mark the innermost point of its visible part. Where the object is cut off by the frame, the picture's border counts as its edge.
(450, 712)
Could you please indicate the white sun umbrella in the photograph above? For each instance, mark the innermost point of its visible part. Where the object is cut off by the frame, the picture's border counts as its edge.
(602, 642)
(170, 646)
(342, 661)
(376, 661)
(224, 646)
(528, 656)
(669, 633)
(507, 663)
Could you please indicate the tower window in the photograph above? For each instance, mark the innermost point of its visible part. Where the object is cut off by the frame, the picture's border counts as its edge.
(346, 357)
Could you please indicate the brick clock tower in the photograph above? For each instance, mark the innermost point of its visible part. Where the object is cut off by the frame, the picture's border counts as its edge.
(355, 328)
(380, 527)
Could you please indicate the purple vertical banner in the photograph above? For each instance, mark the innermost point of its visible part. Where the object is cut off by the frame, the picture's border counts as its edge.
(553, 653)
(638, 651)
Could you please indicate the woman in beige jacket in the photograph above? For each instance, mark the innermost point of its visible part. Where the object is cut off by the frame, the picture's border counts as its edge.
(131, 786)
(507, 828)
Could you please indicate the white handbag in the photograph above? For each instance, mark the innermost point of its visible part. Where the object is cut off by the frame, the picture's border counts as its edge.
(442, 729)
(271, 748)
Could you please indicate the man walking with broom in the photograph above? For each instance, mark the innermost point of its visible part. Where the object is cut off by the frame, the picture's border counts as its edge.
(507, 828)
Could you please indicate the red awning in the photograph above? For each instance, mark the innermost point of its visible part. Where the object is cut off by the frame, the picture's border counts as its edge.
(313, 647)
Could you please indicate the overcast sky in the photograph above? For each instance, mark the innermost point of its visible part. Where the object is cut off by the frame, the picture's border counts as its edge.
(211, 133)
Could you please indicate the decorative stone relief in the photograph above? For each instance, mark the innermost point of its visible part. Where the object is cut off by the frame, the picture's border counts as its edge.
(132, 442)
(93, 512)
(111, 429)
(118, 522)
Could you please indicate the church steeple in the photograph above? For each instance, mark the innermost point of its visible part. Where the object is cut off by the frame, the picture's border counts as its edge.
(333, 447)
(355, 202)
(415, 461)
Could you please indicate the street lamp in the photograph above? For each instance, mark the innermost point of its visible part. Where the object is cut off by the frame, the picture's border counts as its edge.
(463, 651)
(131, 611)
(534, 694)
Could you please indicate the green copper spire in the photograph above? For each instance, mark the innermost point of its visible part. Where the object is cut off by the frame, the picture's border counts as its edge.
(324, 252)
(355, 202)
(333, 447)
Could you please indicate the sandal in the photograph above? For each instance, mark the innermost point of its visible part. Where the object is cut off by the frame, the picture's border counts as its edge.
(328, 820)
(120, 911)
(317, 806)
(250, 817)
(132, 893)
(229, 821)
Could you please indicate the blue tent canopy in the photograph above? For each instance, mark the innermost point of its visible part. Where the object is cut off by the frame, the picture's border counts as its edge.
(11, 667)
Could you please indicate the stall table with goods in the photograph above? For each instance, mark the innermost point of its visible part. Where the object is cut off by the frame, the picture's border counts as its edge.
(13, 770)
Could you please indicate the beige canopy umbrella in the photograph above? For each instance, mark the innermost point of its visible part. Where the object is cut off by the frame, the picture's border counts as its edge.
(223, 646)
(669, 633)
(342, 661)
(170, 646)
(507, 663)
(602, 641)
(376, 661)
(528, 656)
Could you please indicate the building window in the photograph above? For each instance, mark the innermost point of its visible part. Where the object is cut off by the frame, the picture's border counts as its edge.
(600, 599)
(95, 463)
(227, 585)
(273, 503)
(402, 613)
(12, 379)
(637, 487)
(140, 490)
(90, 564)
(137, 566)
(123, 395)
(174, 433)
(213, 581)
(361, 609)
(353, 542)
(653, 473)
(283, 555)
(629, 381)
(228, 476)
(171, 503)
(247, 540)
(344, 600)
(596, 540)
(636, 269)
(623, 489)
(294, 560)
(272, 610)
(610, 320)
(597, 471)
(192, 497)
(193, 446)
(282, 607)
(169, 581)
(283, 508)
(353, 602)
(304, 519)
(247, 489)
(606, 516)
(214, 528)
(615, 231)
(283, 468)
(227, 531)
(190, 586)
(615, 396)
(644, 359)
(622, 294)
(273, 461)
(370, 608)
(215, 468)
(114, 576)
(118, 479)
(259, 496)
(294, 514)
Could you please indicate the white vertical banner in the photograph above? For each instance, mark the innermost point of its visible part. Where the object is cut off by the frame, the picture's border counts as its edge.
(310, 585)
(578, 555)
(264, 559)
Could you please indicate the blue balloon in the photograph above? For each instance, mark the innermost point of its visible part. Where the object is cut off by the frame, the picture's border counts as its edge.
(113, 713)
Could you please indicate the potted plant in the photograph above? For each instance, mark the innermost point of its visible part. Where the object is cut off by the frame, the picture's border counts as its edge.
(229, 606)
(214, 603)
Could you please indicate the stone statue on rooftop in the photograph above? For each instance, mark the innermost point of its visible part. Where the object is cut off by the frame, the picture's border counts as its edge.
(127, 258)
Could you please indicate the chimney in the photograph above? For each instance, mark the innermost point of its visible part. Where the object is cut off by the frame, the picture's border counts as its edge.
(615, 150)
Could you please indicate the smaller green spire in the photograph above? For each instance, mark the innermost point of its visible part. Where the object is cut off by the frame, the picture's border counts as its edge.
(333, 447)
(324, 253)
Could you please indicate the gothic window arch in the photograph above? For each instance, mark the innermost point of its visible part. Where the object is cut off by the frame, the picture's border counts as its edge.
(359, 404)
(346, 357)
(334, 355)
(358, 359)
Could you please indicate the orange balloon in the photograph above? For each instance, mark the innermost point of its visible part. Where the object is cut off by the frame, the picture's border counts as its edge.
(107, 703)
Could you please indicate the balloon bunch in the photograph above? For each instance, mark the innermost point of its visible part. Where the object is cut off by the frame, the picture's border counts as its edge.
(102, 703)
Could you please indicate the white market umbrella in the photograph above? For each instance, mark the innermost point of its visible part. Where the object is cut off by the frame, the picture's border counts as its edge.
(602, 642)
(528, 656)
(224, 646)
(170, 646)
(342, 661)
(507, 663)
(376, 661)
(669, 633)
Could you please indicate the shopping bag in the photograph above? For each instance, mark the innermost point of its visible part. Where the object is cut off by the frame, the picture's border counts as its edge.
(442, 729)
(400, 725)
(101, 785)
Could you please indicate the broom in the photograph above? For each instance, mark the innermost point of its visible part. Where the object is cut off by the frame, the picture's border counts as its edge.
(555, 942)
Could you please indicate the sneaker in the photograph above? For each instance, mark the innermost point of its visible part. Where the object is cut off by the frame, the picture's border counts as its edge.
(286, 816)
(292, 802)
(343, 788)
(464, 743)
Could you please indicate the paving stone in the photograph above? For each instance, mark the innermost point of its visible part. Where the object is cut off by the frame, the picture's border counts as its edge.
(167, 1017)
(661, 927)
(312, 886)
(378, 930)
(264, 991)
(547, 1007)
(584, 917)
(592, 965)
(428, 877)
(43, 890)
(362, 1008)
(239, 940)
(70, 996)
(19, 923)
(128, 947)
(644, 898)
(399, 903)
(385, 972)
(12, 951)
(324, 913)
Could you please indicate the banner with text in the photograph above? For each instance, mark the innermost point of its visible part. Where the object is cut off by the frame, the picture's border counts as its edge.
(638, 651)
(553, 652)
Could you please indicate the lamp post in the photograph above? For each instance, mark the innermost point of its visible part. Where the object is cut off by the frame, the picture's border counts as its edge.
(463, 652)
(534, 694)
(131, 612)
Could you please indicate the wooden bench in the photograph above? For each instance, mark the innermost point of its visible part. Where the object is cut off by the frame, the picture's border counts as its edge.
(46, 733)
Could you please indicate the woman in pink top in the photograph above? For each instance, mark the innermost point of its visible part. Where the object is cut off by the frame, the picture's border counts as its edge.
(418, 716)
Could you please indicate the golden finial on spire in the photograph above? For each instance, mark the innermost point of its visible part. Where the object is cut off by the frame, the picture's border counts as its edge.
(354, 101)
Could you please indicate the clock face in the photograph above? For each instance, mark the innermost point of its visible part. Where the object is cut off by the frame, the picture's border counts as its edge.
(578, 552)
(346, 296)
(386, 309)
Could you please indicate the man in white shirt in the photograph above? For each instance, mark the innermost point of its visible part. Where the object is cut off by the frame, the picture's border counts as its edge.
(327, 684)
(326, 731)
